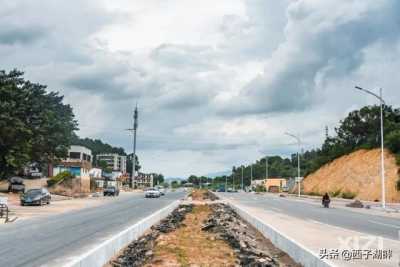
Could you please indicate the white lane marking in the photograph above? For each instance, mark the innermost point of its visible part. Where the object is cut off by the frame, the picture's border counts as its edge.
(275, 209)
(385, 224)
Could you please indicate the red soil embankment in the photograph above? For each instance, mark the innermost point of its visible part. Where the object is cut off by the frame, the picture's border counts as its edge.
(359, 173)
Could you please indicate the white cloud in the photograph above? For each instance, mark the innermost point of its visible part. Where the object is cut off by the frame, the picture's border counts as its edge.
(218, 83)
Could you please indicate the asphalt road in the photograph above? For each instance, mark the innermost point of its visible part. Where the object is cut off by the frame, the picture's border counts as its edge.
(52, 240)
(360, 222)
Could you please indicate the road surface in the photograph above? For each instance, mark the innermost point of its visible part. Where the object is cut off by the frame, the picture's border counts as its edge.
(365, 223)
(52, 240)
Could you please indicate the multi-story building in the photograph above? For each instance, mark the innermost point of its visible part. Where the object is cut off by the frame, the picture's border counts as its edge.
(114, 161)
(143, 181)
(78, 163)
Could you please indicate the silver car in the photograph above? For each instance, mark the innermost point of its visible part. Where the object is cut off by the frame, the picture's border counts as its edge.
(152, 193)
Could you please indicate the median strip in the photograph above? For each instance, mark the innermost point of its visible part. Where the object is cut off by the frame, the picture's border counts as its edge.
(202, 232)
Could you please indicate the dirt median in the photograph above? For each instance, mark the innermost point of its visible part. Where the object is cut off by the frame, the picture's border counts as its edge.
(202, 235)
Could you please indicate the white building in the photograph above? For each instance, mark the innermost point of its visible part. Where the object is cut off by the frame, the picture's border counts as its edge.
(114, 161)
(80, 153)
(143, 181)
(78, 163)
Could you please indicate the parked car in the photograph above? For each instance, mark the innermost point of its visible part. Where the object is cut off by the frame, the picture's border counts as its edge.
(16, 184)
(152, 192)
(161, 189)
(231, 190)
(111, 191)
(36, 197)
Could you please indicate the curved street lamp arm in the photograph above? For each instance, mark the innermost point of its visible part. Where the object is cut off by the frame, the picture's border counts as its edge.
(369, 92)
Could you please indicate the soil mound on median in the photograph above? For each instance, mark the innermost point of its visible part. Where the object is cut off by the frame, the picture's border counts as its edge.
(356, 174)
(202, 235)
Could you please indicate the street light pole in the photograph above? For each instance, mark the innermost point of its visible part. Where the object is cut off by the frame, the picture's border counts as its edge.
(251, 175)
(382, 102)
(298, 161)
(242, 178)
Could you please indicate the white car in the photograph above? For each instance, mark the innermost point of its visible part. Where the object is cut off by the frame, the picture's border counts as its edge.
(161, 189)
(152, 192)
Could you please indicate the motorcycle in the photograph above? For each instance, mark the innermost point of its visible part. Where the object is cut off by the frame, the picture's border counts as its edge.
(326, 203)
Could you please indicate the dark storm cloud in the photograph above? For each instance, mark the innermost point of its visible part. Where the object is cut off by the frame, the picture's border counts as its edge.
(315, 43)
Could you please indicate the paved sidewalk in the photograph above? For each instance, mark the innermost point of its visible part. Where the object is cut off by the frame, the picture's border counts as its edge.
(319, 237)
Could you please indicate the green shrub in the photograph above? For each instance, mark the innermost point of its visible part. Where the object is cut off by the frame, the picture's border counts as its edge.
(62, 176)
(260, 188)
(398, 185)
(392, 141)
(336, 193)
(312, 193)
(398, 159)
(348, 195)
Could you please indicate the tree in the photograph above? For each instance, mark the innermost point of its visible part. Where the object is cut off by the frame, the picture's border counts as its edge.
(129, 164)
(35, 125)
(174, 184)
(158, 178)
(392, 141)
(193, 179)
(102, 164)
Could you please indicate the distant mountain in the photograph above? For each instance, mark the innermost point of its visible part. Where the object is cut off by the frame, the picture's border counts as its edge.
(216, 174)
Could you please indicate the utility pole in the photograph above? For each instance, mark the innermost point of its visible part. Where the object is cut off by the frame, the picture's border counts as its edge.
(382, 102)
(242, 178)
(226, 183)
(251, 175)
(233, 181)
(134, 129)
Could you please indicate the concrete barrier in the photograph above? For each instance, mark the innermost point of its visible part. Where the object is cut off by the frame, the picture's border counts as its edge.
(295, 250)
(101, 254)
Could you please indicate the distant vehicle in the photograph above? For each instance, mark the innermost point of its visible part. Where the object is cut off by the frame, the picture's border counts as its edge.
(36, 197)
(221, 189)
(161, 189)
(152, 192)
(16, 184)
(36, 175)
(231, 190)
(111, 191)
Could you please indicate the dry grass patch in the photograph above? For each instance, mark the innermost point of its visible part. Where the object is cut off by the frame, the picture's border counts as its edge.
(198, 194)
(190, 246)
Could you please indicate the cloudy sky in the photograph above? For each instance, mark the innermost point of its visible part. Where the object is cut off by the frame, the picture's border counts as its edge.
(217, 82)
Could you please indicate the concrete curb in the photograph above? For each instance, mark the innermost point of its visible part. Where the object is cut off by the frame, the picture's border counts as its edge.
(101, 254)
(298, 252)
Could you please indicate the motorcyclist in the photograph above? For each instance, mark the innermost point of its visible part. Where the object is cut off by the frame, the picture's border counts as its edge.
(326, 200)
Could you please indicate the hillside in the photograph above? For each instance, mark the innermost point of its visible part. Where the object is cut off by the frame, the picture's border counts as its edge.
(358, 172)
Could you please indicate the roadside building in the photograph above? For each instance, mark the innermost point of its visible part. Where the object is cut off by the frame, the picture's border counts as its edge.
(79, 163)
(114, 161)
(143, 181)
(275, 185)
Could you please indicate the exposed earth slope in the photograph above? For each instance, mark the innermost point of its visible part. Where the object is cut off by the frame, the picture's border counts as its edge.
(358, 172)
